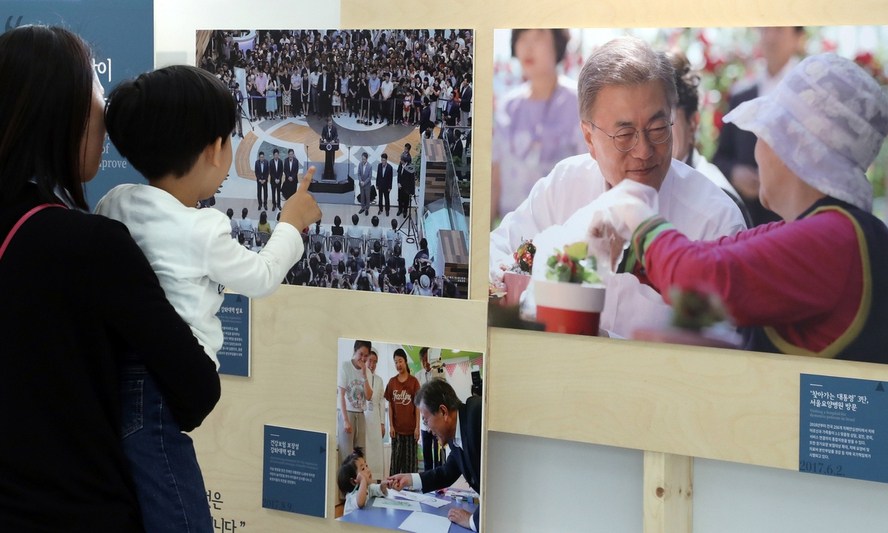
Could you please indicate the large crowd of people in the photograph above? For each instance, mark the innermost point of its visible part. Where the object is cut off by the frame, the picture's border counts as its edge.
(379, 76)
(351, 258)
(416, 78)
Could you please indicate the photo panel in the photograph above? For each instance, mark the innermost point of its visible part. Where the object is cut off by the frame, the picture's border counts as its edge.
(420, 454)
(383, 117)
(801, 210)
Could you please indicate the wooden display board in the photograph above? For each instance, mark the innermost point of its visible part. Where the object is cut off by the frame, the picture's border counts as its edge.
(674, 402)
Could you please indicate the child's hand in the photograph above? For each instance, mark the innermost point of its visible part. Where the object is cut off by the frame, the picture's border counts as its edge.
(301, 210)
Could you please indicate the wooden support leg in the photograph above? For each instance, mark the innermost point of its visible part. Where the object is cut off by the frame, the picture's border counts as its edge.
(668, 493)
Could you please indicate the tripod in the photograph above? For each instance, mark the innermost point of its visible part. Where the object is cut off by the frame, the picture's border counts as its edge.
(411, 232)
(240, 116)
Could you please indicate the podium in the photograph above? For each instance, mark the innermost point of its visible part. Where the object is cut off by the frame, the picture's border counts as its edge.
(329, 148)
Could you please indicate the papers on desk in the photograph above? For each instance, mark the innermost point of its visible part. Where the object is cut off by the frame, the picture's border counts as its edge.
(404, 505)
(425, 523)
(427, 499)
(467, 495)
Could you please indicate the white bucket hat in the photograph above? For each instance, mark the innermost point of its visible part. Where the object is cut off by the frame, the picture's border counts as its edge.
(826, 120)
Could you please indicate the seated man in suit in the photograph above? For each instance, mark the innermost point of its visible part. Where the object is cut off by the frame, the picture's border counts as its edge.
(459, 425)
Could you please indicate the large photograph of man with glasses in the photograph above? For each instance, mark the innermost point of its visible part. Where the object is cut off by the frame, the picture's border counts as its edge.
(649, 108)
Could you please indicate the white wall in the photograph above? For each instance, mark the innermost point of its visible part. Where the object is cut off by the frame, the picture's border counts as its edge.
(735, 498)
(545, 485)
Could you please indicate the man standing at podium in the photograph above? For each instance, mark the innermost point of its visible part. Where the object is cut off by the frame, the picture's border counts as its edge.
(329, 136)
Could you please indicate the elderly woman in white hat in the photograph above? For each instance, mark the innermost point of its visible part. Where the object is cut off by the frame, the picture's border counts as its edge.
(815, 283)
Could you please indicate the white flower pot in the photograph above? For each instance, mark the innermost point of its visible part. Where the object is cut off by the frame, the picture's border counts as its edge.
(568, 307)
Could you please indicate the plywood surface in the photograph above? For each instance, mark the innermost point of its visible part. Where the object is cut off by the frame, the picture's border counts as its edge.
(690, 402)
(718, 404)
(293, 384)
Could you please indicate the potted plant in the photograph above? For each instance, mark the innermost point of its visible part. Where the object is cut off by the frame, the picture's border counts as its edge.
(571, 298)
(518, 278)
(696, 315)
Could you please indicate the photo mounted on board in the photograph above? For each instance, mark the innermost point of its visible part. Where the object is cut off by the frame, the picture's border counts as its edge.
(408, 436)
(714, 186)
(385, 119)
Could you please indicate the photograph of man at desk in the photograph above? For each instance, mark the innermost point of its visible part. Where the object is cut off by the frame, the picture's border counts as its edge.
(426, 475)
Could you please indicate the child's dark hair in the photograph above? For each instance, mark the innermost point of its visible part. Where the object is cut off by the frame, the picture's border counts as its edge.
(348, 471)
(163, 120)
(362, 344)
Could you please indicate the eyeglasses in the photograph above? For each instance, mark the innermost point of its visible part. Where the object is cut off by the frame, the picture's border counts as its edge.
(626, 138)
(426, 420)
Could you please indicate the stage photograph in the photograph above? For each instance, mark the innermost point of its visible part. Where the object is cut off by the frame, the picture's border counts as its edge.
(385, 119)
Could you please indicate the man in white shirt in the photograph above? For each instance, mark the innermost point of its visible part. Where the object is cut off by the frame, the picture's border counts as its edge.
(627, 100)
(313, 78)
(373, 85)
(386, 91)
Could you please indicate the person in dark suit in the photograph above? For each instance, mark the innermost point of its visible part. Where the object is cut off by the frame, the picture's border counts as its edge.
(384, 184)
(459, 425)
(276, 173)
(465, 100)
(456, 147)
(406, 183)
(734, 155)
(262, 174)
(426, 121)
(326, 86)
(291, 172)
(239, 100)
(336, 228)
(329, 135)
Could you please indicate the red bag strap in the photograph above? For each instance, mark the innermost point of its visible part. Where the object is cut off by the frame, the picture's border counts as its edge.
(21, 221)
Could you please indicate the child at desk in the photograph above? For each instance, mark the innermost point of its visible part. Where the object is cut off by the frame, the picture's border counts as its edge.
(354, 480)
